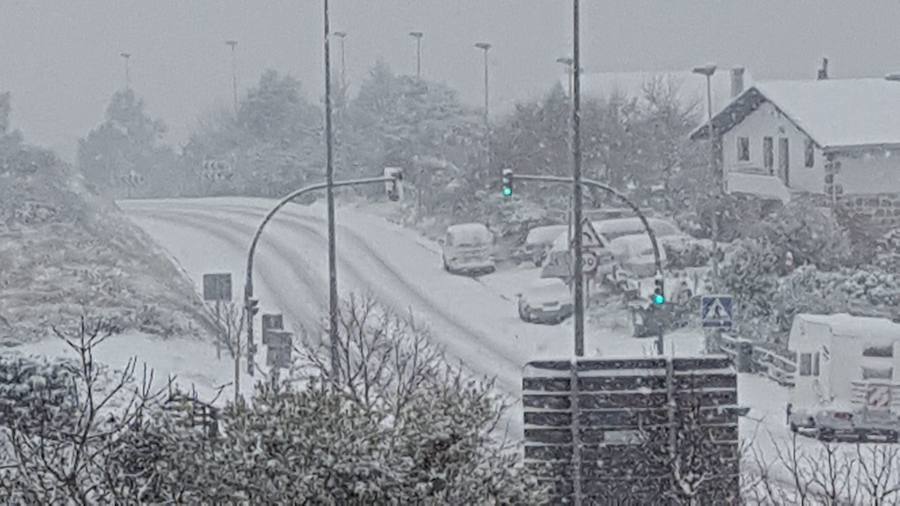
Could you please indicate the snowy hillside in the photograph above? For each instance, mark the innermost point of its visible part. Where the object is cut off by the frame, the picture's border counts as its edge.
(65, 251)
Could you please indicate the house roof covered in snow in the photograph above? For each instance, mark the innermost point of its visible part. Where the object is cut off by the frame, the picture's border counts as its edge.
(837, 114)
(690, 88)
(843, 324)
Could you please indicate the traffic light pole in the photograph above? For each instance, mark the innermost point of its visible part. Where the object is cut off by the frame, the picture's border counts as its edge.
(250, 304)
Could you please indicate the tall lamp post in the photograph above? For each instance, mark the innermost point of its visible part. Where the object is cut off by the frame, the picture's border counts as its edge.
(709, 71)
(329, 179)
(233, 44)
(126, 56)
(418, 37)
(342, 36)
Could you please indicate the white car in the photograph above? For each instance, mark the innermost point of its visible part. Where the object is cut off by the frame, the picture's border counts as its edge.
(467, 249)
(634, 253)
(547, 300)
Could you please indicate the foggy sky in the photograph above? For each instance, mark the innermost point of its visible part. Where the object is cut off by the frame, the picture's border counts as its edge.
(60, 58)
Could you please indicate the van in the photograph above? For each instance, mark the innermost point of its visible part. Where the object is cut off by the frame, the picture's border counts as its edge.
(467, 249)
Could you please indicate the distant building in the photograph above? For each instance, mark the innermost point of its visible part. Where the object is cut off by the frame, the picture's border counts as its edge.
(837, 140)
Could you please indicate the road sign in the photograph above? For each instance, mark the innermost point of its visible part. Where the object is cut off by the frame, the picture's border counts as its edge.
(717, 311)
(878, 396)
(590, 239)
(589, 262)
(217, 287)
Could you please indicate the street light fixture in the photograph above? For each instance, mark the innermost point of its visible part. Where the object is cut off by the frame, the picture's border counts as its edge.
(418, 37)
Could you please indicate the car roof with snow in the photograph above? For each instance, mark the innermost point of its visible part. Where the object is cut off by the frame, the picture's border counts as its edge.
(629, 226)
(861, 327)
(545, 234)
(469, 232)
(547, 283)
(637, 243)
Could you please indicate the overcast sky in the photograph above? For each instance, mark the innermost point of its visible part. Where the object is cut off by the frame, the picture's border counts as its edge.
(60, 58)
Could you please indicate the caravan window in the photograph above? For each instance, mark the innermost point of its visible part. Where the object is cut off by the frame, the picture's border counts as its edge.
(805, 364)
(881, 373)
(872, 350)
(815, 364)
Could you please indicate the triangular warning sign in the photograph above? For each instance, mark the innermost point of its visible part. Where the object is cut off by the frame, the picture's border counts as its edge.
(589, 236)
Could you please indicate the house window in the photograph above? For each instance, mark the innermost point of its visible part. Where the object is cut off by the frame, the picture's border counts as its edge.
(769, 154)
(815, 364)
(743, 149)
(874, 350)
(878, 373)
(809, 153)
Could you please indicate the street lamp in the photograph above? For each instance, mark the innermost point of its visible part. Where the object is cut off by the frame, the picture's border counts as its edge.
(418, 37)
(233, 44)
(342, 36)
(126, 56)
(708, 71)
(570, 70)
(329, 181)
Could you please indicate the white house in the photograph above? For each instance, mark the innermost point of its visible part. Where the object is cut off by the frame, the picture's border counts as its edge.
(834, 138)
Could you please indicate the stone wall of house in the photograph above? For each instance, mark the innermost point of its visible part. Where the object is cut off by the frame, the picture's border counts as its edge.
(882, 210)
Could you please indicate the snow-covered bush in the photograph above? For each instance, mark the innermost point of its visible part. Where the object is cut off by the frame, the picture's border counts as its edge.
(399, 426)
(811, 234)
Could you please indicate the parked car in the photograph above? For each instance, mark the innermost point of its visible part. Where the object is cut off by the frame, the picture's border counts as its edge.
(634, 253)
(540, 240)
(546, 301)
(620, 227)
(467, 249)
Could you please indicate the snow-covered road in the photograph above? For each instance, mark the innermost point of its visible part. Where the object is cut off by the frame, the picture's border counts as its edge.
(474, 320)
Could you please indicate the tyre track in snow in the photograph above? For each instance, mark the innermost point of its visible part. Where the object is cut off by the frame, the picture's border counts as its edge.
(213, 228)
(471, 356)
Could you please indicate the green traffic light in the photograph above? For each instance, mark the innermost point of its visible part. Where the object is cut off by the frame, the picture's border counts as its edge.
(659, 299)
(507, 191)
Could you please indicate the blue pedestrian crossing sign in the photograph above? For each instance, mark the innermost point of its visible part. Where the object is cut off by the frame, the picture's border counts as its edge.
(717, 311)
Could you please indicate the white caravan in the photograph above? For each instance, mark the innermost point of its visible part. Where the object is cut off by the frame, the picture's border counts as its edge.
(846, 380)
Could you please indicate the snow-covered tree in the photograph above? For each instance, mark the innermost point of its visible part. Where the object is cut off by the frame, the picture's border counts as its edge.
(128, 141)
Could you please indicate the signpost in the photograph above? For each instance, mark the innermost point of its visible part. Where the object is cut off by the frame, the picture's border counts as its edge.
(717, 311)
(627, 418)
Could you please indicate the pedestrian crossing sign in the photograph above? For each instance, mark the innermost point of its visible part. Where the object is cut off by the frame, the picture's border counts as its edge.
(717, 311)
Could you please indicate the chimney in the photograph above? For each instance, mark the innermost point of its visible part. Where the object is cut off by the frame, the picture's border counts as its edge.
(737, 81)
(823, 72)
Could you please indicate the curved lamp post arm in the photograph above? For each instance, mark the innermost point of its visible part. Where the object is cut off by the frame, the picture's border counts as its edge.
(618, 195)
(248, 285)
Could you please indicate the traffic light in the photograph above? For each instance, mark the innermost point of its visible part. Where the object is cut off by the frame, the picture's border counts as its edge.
(253, 306)
(507, 182)
(659, 292)
(394, 187)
